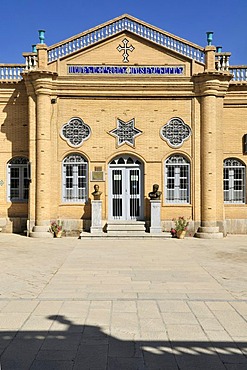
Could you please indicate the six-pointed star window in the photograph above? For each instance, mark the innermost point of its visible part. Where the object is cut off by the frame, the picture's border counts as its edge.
(125, 132)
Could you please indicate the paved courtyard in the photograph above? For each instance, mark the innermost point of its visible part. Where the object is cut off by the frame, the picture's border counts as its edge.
(123, 304)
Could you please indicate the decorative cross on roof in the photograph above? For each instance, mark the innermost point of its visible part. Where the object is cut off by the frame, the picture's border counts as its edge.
(125, 48)
(125, 132)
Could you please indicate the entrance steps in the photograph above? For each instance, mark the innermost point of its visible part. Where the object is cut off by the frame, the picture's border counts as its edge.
(126, 228)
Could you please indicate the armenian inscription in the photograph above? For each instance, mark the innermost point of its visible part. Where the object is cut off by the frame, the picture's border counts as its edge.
(126, 70)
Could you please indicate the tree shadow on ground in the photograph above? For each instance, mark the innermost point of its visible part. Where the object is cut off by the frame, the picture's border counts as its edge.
(84, 347)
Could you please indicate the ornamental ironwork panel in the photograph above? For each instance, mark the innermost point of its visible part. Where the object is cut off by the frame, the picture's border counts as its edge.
(74, 158)
(75, 132)
(175, 132)
(233, 162)
(177, 159)
(125, 132)
(19, 160)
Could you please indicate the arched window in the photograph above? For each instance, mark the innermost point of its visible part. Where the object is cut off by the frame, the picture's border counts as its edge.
(177, 179)
(18, 179)
(234, 181)
(75, 178)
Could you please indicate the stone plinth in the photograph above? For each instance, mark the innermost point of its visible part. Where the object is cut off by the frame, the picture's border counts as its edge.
(155, 227)
(40, 232)
(96, 225)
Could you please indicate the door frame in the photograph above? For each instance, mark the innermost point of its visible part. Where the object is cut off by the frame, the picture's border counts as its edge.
(126, 166)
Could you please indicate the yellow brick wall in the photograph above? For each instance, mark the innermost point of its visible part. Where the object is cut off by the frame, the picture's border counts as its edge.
(13, 139)
(234, 128)
(101, 115)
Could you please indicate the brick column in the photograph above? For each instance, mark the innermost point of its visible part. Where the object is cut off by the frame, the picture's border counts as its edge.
(42, 82)
(211, 181)
(32, 159)
(211, 86)
(43, 154)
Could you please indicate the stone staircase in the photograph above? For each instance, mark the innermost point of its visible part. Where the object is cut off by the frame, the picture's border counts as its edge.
(126, 228)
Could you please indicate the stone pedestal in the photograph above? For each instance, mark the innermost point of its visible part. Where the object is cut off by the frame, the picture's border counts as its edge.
(96, 226)
(40, 232)
(155, 227)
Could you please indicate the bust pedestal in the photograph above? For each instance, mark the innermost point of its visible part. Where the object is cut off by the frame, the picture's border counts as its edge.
(155, 227)
(96, 226)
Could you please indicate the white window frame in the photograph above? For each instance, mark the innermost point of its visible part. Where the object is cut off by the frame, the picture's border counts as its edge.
(74, 193)
(234, 181)
(180, 195)
(20, 163)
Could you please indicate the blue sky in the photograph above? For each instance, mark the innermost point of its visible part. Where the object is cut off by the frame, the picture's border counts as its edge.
(189, 19)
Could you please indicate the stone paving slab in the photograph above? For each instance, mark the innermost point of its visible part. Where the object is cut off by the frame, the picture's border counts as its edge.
(110, 304)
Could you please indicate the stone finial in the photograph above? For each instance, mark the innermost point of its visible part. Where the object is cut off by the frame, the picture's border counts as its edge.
(209, 37)
(41, 36)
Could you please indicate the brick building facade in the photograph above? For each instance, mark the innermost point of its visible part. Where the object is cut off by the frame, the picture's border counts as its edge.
(124, 105)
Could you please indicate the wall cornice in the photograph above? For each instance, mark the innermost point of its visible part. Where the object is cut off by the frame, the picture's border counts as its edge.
(211, 83)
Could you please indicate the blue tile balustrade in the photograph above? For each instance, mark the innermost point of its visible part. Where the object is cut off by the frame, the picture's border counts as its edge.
(125, 24)
(11, 71)
(239, 73)
(222, 61)
(160, 37)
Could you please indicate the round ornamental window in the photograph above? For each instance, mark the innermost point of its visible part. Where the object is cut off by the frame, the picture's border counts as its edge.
(175, 132)
(75, 132)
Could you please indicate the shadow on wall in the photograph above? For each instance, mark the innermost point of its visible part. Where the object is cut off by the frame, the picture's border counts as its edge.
(86, 215)
(82, 347)
(15, 125)
(17, 216)
(15, 142)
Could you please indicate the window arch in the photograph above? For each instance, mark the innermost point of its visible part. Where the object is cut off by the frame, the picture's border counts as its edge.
(234, 181)
(177, 179)
(18, 179)
(75, 178)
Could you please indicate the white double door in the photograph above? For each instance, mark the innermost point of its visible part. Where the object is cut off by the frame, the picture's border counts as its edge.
(125, 191)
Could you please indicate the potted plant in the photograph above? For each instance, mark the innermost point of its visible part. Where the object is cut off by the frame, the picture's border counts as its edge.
(173, 232)
(180, 227)
(56, 228)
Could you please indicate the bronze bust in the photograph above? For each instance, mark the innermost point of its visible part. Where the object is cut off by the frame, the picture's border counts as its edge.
(155, 194)
(96, 194)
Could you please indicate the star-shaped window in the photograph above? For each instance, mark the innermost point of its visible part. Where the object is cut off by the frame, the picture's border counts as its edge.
(125, 132)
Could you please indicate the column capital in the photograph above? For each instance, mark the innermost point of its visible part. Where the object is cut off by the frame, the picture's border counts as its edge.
(41, 82)
(211, 83)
